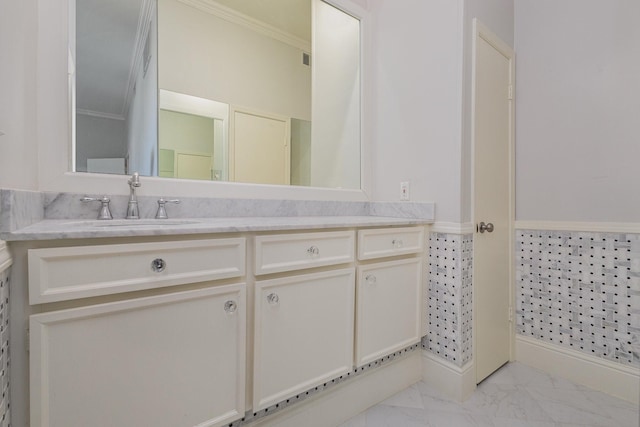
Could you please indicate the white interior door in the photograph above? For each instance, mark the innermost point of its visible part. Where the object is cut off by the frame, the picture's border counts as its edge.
(493, 201)
(260, 151)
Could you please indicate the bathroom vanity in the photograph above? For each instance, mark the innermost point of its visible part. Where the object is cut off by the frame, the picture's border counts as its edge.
(210, 322)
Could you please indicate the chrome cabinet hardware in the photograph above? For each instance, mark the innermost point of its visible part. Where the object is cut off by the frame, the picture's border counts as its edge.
(162, 211)
(482, 227)
(230, 307)
(371, 279)
(158, 265)
(397, 243)
(273, 299)
(313, 251)
(105, 212)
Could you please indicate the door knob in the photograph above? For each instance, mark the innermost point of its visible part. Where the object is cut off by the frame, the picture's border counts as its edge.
(482, 227)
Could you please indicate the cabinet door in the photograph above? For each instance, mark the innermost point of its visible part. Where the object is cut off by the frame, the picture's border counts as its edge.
(303, 333)
(170, 360)
(389, 295)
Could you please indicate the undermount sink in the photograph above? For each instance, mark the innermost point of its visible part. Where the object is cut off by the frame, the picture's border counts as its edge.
(133, 223)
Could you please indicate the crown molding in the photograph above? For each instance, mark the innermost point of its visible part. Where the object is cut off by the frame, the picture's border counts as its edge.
(230, 15)
(99, 114)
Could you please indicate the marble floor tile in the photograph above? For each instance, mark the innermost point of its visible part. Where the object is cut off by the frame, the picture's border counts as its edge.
(514, 396)
(407, 398)
(505, 401)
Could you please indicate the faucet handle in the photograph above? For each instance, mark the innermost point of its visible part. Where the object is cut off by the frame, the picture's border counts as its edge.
(105, 212)
(162, 212)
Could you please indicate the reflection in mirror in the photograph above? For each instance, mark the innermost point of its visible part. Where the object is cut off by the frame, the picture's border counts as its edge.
(242, 96)
(116, 86)
(192, 137)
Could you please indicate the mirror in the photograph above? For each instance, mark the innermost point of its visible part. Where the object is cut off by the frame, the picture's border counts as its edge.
(228, 90)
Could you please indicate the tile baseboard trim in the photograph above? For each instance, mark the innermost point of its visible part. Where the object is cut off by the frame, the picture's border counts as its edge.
(452, 227)
(5, 257)
(597, 227)
(598, 374)
(454, 381)
(351, 397)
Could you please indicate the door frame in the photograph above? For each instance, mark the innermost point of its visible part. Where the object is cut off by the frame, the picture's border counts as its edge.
(480, 31)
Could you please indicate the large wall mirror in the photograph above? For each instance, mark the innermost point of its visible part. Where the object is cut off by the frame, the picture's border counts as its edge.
(245, 91)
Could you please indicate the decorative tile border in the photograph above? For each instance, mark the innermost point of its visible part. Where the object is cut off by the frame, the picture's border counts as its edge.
(580, 290)
(250, 417)
(450, 297)
(5, 418)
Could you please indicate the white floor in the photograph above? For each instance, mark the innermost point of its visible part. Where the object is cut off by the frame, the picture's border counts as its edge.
(514, 396)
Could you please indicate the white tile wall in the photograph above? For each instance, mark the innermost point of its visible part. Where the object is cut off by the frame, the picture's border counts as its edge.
(450, 296)
(581, 291)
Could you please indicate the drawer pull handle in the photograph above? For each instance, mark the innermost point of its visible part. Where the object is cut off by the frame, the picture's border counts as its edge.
(313, 251)
(230, 307)
(273, 299)
(397, 243)
(158, 265)
(371, 279)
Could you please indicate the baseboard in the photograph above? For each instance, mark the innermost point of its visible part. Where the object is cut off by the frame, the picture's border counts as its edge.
(452, 227)
(595, 227)
(599, 374)
(335, 406)
(455, 382)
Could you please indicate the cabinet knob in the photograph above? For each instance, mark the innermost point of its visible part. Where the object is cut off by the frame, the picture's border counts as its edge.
(273, 299)
(397, 243)
(370, 279)
(313, 251)
(158, 265)
(230, 307)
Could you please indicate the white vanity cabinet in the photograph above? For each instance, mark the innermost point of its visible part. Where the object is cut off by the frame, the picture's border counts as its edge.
(195, 332)
(303, 333)
(171, 358)
(389, 292)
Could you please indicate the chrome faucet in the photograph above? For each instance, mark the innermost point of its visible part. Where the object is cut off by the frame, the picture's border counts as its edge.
(132, 207)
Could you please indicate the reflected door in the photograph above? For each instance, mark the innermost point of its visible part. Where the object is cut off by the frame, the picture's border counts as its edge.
(260, 151)
(194, 166)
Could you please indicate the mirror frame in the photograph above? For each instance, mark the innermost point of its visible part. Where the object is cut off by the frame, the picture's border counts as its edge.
(55, 124)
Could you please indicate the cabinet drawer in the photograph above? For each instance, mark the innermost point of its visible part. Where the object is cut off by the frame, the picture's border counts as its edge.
(389, 296)
(303, 333)
(288, 252)
(379, 243)
(59, 274)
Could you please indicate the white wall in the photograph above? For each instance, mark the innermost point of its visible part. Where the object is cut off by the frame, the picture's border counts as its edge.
(205, 56)
(416, 101)
(18, 149)
(578, 110)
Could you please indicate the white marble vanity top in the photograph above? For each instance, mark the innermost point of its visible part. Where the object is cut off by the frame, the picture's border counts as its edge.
(26, 215)
(82, 229)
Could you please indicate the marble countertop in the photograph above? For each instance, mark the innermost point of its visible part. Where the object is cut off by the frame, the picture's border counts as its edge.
(51, 229)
